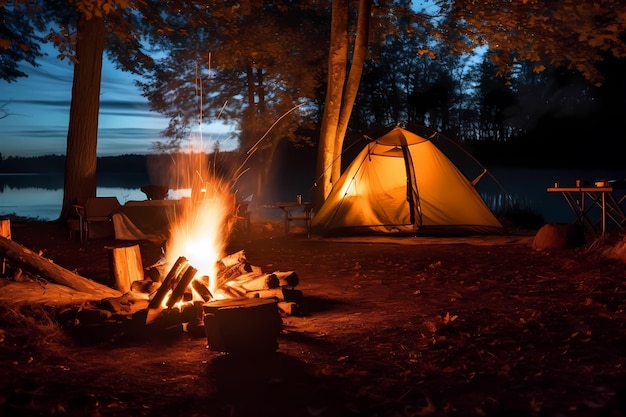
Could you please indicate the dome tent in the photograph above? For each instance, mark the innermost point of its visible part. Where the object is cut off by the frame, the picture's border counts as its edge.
(402, 183)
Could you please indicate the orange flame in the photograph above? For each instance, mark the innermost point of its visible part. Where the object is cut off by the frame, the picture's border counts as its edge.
(200, 233)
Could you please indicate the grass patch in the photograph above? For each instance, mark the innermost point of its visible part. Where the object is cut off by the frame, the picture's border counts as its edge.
(28, 329)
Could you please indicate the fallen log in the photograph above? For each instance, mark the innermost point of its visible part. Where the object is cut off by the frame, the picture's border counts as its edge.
(48, 294)
(31, 261)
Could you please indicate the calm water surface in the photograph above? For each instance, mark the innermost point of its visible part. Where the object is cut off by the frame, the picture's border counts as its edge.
(40, 196)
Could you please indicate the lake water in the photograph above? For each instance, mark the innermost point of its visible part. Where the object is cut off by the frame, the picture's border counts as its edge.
(41, 196)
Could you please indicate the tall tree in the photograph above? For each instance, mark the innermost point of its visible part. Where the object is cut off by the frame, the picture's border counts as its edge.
(566, 33)
(250, 68)
(350, 36)
(340, 90)
(83, 30)
(87, 29)
(80, 163)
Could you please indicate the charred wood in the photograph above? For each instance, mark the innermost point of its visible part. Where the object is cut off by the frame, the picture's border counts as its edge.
(169, 280)
(181, 286)
(201, 289)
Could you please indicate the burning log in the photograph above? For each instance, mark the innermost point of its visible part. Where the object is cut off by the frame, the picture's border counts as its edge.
(229, 272)
(171, 279)
(34, 262)
(202, 290)
(181, 286)
(168, 282)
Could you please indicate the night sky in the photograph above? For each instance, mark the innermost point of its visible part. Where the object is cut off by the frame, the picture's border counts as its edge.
(39, 113)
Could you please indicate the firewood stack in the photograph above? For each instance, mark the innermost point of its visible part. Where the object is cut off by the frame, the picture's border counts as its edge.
(167, 298)
(244, 313)
(236, 279)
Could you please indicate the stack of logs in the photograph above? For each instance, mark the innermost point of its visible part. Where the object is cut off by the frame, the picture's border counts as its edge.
(236, 278)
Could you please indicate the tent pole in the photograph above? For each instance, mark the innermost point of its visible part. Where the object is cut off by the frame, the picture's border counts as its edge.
(412, 193)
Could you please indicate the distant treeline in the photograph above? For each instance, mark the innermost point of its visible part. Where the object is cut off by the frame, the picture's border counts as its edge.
(131, 163)
(56, 164)
(567, 145)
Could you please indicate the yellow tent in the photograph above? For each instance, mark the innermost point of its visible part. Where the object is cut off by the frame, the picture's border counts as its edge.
(402, 183)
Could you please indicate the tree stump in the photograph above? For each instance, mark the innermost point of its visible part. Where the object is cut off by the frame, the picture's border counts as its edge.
(125, 266)
(5, 231)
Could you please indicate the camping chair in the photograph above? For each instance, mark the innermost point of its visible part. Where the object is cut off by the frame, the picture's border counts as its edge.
(97, 210)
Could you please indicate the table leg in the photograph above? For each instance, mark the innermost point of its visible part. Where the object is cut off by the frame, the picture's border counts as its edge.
(308, 224)
(603, 213)
(286, 221)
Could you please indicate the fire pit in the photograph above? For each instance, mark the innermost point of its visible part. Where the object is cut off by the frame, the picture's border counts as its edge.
(248, 325)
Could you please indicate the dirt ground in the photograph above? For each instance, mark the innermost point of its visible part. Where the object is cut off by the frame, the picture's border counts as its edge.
(389, 327)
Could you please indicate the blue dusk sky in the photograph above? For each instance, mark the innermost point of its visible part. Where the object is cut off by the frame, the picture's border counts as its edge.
(38, 108)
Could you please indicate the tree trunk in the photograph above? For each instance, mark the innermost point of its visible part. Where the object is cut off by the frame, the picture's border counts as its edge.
(82, 136)
(337, 60)
(352, 84)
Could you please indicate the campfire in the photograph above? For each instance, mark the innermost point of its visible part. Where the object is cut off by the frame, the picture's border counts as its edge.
(195, 287)
(200, 273)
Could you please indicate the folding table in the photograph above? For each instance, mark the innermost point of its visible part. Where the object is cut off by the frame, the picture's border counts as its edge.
(582, 200)
(294, 210)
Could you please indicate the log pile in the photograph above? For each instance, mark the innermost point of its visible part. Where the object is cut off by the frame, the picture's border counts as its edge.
(150, 303)
(236, 279)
